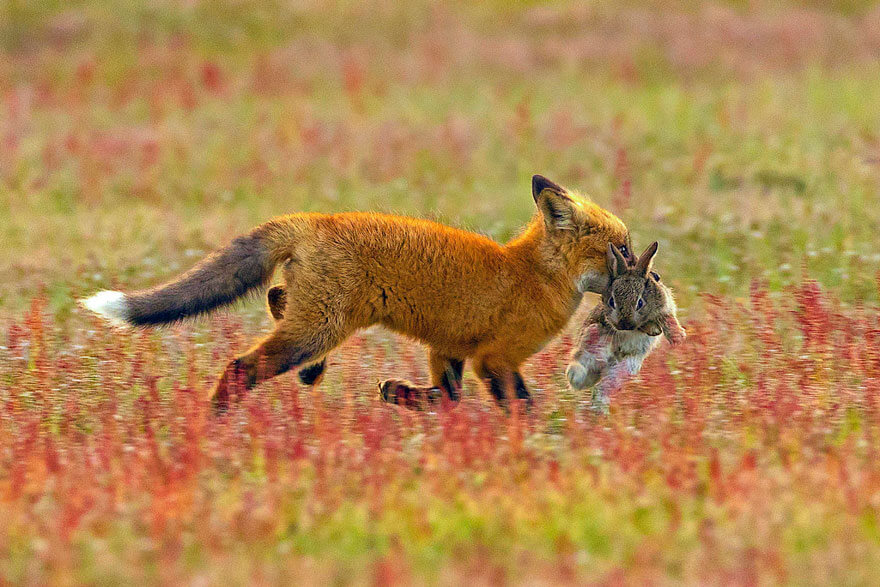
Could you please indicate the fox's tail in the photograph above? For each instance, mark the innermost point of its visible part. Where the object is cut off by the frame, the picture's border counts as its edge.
(219, 279)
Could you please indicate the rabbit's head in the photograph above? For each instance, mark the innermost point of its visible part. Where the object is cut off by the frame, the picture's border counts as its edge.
(634, 298)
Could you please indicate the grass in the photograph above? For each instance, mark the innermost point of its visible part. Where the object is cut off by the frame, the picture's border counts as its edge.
(138, 137)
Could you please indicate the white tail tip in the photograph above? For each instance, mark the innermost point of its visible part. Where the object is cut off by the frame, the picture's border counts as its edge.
(110, 305)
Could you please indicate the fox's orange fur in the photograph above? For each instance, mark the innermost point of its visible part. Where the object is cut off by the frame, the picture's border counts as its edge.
(462, 294)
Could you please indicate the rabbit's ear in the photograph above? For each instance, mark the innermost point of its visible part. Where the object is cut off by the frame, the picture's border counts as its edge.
(672, 330)
(651, 329)
(643, 265)
(616, 261)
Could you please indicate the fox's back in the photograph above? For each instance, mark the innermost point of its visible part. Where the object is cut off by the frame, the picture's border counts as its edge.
(444, 285)
(405, 240)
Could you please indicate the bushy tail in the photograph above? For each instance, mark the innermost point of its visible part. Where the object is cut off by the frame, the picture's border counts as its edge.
(219, 279)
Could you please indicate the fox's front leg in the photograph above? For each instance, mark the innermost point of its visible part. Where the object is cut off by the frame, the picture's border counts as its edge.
(446, 374)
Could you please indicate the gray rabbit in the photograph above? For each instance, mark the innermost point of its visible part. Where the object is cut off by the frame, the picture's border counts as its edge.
(624, 328)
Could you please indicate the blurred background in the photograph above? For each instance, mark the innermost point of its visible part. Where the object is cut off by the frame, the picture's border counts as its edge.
(136, 136)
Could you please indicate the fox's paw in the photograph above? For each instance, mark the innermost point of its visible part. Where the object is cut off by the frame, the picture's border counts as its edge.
(403, 393)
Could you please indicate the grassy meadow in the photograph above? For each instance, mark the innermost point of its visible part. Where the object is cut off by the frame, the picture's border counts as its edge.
(135, 137)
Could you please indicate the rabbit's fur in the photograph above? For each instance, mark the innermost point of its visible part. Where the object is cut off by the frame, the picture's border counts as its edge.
(624, 328)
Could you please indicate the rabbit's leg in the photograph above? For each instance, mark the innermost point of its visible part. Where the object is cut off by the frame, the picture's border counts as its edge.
(672, 330)
(583, 371)
(616, 376)
(589, 359)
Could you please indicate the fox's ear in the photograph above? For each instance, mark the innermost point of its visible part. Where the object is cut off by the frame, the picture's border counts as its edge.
(555, 204)
(541, 183)
(643, 265)
(616, 261)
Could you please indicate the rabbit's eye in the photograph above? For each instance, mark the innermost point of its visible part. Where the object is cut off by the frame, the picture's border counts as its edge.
(640, 304)
(611, 302)
(655, 275)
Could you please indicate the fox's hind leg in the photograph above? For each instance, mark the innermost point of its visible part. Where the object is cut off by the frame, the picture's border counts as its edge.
(291, 344)
(446, 376)
(277, 300)
(504, 381)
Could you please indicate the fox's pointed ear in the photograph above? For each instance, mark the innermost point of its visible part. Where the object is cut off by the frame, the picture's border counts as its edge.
(643, 265)
(554, 204)
(541, 183)
(616, 261)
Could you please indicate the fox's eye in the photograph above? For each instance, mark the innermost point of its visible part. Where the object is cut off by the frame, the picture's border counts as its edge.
(639, 304)
(611, 302)
(623, 251)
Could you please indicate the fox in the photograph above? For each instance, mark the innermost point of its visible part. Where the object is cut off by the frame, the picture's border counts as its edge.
(623, 328)
(462, 294)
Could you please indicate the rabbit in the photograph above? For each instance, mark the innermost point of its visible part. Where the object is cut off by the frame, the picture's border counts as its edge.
(623, 328)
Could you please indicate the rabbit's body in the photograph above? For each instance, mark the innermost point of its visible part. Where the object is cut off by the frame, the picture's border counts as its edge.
(622, 330)
(609, 355)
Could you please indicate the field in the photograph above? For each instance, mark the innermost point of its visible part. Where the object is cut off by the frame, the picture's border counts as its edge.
(744, 136)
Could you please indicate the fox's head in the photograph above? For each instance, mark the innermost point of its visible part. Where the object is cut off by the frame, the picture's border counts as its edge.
(579, 232)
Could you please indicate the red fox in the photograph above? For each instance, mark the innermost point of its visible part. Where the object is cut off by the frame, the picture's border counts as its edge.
(462, 294)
